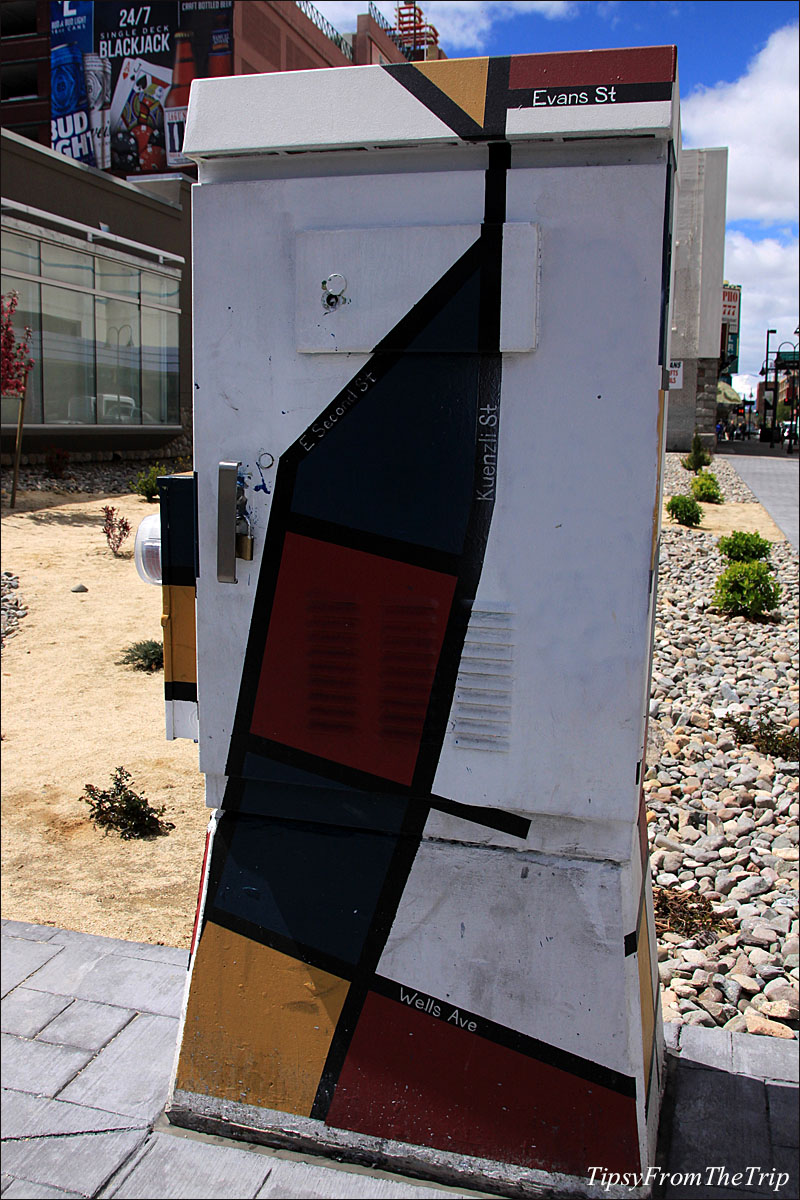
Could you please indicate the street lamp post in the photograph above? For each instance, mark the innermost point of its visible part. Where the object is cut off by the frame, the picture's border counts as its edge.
(788, 364)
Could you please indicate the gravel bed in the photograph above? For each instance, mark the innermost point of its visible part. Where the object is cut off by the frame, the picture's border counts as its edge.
(678, 481)
(723, 817)
(90, 477)
(13, 609)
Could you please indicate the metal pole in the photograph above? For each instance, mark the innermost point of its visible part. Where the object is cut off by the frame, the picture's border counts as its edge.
(18, 450)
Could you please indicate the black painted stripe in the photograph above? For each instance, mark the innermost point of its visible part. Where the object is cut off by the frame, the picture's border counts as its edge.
(492, 818)
(373, 543)
(512, 1039)
(666, 261)
(434, 99)
(498, 97)
(364, 975)
(180, 691)
(596, 96)
(631, 942)
(279, 942)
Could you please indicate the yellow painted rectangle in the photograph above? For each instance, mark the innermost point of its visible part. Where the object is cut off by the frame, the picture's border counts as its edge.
(646, 997)
(180, 637)
(259, 1024)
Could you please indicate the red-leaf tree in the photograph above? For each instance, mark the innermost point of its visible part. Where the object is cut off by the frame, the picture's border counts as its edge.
(15, 363)
(15, 359)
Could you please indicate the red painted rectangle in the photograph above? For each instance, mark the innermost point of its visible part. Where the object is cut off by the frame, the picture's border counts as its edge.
(352, 649)
(645, 64)
(421, 1079)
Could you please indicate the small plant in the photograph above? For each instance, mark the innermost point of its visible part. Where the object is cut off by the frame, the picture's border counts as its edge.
(746, 589)
(744, 547)
(144, 656)
(146, 482)
(122, 809)
(698, 457)
(705, 487)
(115, 527)
(57, 460)
(685, 510)
(767, 737)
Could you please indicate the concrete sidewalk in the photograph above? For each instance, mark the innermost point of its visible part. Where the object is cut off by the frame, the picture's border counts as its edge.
(774, 479)
(89, 1033)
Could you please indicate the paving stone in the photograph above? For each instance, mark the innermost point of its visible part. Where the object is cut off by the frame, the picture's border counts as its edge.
(21, 959)
(701, 1137)
(782, 1104)
(764, 1058)
(135, 983)
(167, 954)
(74, 962)
(87, 1024)
(23, 1189)
(291, 1180)
(25, 1011)
(88, 1159)
(36, 1116)
(131, 1075)
(24, 929)
(172, 1166)
(28, 1066)
(706, 1047)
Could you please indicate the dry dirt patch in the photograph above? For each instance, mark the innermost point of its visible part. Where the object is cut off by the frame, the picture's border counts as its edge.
(71, 714)
(724, 518)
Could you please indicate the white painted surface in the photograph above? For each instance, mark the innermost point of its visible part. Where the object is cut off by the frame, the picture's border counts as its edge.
(303, 110)
(181, 719)
(569, 547)
(654, 117)
(386, 270)
(255, 392)
(556, 975)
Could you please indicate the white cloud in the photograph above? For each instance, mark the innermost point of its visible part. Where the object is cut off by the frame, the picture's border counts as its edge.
(767, 270)
(461, 24)
(756, 118)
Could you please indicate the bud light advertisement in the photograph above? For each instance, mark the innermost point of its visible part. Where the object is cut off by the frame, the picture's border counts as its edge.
(120, 77)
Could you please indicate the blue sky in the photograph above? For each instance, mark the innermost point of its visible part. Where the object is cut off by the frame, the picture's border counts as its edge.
(738, 75)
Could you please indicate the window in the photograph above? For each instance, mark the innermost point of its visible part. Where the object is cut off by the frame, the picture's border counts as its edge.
(105, 344)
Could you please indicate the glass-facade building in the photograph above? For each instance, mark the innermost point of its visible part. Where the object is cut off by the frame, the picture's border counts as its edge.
(104, 314)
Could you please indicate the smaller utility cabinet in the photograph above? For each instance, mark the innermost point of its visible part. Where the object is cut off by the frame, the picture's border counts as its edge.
(430, 316)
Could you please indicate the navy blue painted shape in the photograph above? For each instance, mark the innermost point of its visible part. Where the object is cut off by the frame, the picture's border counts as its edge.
(334, 805)
(313, 884)
(402, 463)
(269, 769)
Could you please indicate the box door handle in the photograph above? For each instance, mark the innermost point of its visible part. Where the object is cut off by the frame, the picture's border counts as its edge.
(226, 522)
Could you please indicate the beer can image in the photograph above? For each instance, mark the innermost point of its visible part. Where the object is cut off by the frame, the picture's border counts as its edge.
(98, 95)
(70, 132)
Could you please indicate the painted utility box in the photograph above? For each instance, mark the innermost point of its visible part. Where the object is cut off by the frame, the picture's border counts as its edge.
(430, 319)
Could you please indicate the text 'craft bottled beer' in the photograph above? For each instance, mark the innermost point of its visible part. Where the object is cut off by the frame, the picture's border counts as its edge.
(177, 100)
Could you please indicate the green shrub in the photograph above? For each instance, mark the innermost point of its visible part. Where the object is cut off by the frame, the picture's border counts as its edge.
(767, 736)
(705, 487)
(122, 809)
(685, 510)
(144, 656)
(747, 589)
(744, 547)
(698, 457)
(146, 483)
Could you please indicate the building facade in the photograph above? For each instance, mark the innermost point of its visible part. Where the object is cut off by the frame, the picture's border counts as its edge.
(699, 257)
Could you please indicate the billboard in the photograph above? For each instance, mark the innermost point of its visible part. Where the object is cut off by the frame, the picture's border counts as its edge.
(120, 77)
